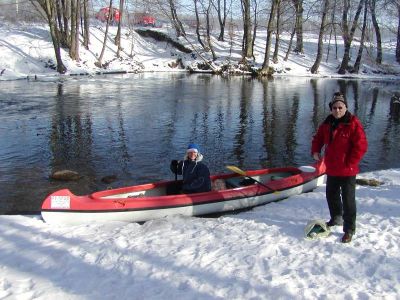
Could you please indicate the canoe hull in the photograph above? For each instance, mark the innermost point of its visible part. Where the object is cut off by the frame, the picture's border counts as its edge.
(78, 217)
(131, 205)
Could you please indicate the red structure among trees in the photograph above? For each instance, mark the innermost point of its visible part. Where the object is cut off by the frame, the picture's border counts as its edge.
(145, 20)
(102, 15)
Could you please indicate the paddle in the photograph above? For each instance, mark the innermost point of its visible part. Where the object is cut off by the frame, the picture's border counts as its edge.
(243, 173)
(174, 168)
(307, 169)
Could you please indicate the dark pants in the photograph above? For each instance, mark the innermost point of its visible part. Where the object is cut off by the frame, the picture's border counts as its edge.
(174, 188)
(341, 196)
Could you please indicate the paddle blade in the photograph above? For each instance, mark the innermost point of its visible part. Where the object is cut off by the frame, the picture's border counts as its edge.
(236, 170)
(308, 169)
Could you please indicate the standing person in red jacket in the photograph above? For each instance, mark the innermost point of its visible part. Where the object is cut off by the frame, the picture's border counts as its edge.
(342, 139)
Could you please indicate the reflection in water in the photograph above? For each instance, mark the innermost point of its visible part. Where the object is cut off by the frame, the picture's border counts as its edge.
(131, 126)
(375, 93)
(267, 125)
(291, 133)
(244, 103)
(390, 138)
(71, 133)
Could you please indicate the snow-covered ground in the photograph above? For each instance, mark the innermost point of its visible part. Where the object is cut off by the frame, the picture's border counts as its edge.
(259, 254)
(27, 51)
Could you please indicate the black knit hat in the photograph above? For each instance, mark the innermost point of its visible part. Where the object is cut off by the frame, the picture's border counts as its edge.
(337, 97)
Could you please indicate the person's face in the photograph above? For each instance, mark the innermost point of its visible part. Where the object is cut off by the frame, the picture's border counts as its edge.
(338, 109)
(192, 155)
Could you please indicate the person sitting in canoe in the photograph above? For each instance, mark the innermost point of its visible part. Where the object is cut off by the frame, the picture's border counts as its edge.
(196, 175)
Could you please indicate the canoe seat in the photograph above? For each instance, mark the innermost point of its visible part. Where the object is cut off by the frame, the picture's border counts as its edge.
(238, 182)
(280, 175)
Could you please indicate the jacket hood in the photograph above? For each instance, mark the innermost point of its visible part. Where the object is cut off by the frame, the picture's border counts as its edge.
(198, 158)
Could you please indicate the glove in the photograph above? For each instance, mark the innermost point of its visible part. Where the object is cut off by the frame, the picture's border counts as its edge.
(174, 166)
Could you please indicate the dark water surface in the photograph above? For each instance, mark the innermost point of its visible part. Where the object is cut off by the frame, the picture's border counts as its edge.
(131, 126)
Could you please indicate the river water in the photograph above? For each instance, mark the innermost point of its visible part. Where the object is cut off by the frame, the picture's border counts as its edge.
(131, 126)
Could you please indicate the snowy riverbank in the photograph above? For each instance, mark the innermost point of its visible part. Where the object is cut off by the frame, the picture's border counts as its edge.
(27, 52)
(259, 254)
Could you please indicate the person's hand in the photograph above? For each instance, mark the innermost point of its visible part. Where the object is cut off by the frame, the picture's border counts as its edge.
(316, 156)
(174, 166)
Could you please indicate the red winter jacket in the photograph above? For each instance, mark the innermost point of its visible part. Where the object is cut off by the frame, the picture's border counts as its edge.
(344, 146)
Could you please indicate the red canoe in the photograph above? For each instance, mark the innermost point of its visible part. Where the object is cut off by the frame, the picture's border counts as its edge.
(150, 201)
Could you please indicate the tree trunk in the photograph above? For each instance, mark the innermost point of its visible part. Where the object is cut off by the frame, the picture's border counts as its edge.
(270, 28)
(196, 11)
(222, 13)
(247, 40)
(333, 29)
(277, 33)
(59, 15)
(398, 35)
(348, 35)
(255, 26)
(86, 35)
(65, 37)
(118, 35)
(298, 4)
(372, 5)
(175, 19)
(74, 47)
(360, 50)
(208, 30)
(290, 44)
(314, 68)
(50, 11)
(99, 62)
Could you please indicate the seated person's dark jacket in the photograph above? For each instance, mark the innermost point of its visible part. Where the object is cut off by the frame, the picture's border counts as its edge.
(196, 176)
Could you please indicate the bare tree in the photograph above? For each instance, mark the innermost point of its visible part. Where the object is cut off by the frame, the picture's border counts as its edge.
(277, 32)
(86, 38)
(247, 50)
(168, 9)
(290, 44)
(75, 17)
(348, 34)
(291, 25)
(372, 7)
(180, 31)
(298, 4)
(222, 12)
(314, 68)
(394, 5)
(255, 25)
(398, 34)
(360, 50)
(196, 11)
(270, 28)
(333, 29)
(49, 8)
(117, 39)
(63, 17)
(207, 9)
(99, 62)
